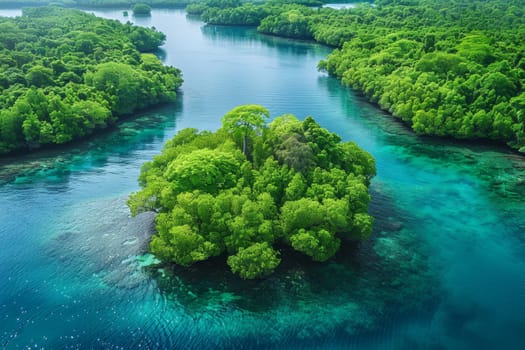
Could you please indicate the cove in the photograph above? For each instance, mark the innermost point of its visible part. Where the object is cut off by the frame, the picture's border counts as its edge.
(445, 268)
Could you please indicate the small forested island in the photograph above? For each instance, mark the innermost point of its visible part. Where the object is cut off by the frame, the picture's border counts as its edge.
(447, 68)
(141, 9)
(65, 73)
(250, 188)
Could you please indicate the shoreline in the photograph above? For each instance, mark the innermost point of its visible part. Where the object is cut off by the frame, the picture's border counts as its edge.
(13, 156)
(494, 145)
(21, 4)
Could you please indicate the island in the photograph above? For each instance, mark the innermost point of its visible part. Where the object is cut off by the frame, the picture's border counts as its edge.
(141, 9)
(65, 73)
(250, 188)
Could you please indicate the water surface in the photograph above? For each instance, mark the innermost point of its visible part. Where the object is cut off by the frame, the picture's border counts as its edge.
(445, 268)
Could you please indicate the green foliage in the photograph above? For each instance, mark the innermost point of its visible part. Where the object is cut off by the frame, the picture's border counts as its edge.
(284, 18)
(255, 261)
(213, 198)
(320, 244)
(65, 73)
(146, 40)
(447, 68)
(293, 24)
(247, 14)
(141, 9)
(186, 247)
(461, 82)
(204, 169)
(244, 122)
(99, 3)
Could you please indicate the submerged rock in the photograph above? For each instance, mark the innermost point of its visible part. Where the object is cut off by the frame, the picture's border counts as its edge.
(147, 260)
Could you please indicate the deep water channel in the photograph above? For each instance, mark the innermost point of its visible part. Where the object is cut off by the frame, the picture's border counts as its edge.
(445, 268)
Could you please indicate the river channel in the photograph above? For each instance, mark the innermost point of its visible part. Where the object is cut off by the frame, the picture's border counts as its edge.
(444, 269)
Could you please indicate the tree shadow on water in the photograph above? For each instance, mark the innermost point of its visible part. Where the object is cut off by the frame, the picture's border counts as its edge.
(366, 288)
(357, 290)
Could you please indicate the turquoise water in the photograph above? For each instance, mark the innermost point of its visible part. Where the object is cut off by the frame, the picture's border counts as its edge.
(445, 268)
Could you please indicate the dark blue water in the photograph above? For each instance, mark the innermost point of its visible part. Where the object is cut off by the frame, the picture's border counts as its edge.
(444, 269)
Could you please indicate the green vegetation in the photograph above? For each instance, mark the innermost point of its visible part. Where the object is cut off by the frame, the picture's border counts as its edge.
(65, 73)
(250, 187)
(237, 12)
(447, 68)
(141, 9)
(98, 3)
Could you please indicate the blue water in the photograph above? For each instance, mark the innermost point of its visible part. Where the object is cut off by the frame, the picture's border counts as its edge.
(444, 269)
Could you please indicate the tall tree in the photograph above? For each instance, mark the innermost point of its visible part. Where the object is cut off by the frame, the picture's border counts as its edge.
(243, 122)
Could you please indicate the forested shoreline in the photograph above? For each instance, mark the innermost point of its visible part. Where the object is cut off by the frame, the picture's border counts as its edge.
(97, 3)
(65, 73)
(153, 3)
(446, 68)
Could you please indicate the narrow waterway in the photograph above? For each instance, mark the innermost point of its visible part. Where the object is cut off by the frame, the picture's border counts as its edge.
(445, 268)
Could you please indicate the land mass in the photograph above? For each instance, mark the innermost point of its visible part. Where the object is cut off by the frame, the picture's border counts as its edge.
(250, 187)
(65, 73)
(446, 68)
(98, 3)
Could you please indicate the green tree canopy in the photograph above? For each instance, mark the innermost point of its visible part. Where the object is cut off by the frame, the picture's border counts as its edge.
(212, 199)
(69, 73)
(447, 68)
(245, 122)
(141, 9)
(257, 260)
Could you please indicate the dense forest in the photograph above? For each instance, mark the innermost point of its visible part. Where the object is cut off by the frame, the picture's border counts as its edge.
(64, 73)
(98, 3)
(141, 9)
(251, 187)
(153, 3)
(447, 68)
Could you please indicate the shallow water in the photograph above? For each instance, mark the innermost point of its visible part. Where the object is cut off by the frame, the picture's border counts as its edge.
(443, 270)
